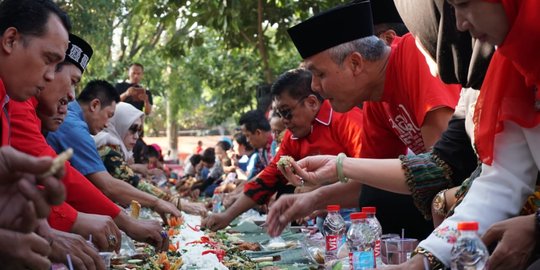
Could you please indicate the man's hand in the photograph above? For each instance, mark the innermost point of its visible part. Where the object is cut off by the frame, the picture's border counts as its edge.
(313, 170)
(216, 222)
(23, 251)
(21, 202)
(83, 256)
(163, 208)
(105, 234)
(148, 231)
(194, 208)
(515, 239)
(288, 208)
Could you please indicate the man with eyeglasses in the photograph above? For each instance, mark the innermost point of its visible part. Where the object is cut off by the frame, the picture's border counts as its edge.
(313, 128)
(87, 116)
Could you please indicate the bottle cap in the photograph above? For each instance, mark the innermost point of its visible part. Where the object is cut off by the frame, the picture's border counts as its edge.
(333, 207)
(369, 209)
(217, 191)
(358, 215)
(468, 226)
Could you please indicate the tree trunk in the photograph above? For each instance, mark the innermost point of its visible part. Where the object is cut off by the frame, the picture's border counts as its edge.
(172, 127)
(261, 45)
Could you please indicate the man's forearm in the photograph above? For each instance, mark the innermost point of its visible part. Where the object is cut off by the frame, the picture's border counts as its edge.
(240, 206)
(120, 191)
(345, 195)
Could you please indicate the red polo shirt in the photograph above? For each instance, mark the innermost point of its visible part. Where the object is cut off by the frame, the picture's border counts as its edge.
(331, 134)
(410, 92)
(81, 193)
(4, 100)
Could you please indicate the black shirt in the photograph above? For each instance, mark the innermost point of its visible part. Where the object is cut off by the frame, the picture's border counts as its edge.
(123, 86)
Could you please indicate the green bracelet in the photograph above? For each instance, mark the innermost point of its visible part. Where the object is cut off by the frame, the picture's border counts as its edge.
(339, 168)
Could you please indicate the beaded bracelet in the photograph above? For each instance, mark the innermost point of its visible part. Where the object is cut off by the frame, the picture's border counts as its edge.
(434, 263)
(339, 168)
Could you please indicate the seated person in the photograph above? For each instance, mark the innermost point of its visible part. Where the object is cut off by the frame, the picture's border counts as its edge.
(215, 171)
(115, 144)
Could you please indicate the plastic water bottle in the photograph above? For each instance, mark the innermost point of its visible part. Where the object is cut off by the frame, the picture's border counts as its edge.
(361, 241)
(334, 231)
(217, 201)
(376, 227)
(469, 252)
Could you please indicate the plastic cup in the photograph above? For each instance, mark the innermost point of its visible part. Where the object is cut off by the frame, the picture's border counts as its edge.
(106, 257)
(397, 250)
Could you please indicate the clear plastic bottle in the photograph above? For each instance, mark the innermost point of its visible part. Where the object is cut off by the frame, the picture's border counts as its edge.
(469, 252)
(361, 241)
(334, 231)
(377, 229)
(217, 201)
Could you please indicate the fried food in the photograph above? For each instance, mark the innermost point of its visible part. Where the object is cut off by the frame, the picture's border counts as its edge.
(58, 162)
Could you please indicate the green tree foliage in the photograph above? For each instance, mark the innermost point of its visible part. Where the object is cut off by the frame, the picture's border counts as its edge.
(203, 59)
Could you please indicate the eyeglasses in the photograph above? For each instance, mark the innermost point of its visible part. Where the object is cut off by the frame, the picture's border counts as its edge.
(287, 113)
(135, 129)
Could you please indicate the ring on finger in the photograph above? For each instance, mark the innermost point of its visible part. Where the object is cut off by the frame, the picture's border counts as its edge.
(111, 239)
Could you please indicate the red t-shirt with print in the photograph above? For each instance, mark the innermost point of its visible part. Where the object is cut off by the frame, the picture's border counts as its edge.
(410, 91)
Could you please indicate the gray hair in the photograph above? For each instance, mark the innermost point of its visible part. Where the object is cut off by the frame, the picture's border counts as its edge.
(371, 48)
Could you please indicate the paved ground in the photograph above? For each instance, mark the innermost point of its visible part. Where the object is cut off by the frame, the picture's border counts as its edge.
(186, 144)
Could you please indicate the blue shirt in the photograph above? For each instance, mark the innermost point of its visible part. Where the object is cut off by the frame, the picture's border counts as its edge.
(74, 133)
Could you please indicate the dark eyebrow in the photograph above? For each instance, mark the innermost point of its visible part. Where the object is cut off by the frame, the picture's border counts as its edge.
(55, 57)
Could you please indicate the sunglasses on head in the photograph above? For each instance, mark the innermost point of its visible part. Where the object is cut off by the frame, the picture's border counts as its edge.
(135, 129)
(287, 113)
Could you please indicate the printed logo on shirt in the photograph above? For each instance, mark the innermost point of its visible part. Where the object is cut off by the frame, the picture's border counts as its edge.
(406, 129)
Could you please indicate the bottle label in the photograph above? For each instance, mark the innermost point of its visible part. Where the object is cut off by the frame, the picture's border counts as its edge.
(359, 260)
(377, 249)
(331, 242)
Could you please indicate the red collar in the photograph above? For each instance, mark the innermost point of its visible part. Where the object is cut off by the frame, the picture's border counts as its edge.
(325, 113)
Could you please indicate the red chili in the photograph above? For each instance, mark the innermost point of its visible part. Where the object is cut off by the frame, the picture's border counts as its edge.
(219, 253)
(196, 228)
(204, 240)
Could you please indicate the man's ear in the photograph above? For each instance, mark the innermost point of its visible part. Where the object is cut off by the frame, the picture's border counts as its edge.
(388, 36)
(313, 103)
(356, 63)
(9, 39)
(95, 105)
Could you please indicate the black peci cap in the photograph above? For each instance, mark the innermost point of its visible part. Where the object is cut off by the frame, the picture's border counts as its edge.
(333, 27)
(384, 11)
(79, 52)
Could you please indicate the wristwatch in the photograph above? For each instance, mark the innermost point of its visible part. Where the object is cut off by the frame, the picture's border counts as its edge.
(439, 203)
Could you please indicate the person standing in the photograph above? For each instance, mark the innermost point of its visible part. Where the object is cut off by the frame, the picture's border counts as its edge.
(132, 92)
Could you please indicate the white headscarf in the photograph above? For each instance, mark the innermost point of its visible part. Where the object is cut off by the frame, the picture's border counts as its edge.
(118, 126)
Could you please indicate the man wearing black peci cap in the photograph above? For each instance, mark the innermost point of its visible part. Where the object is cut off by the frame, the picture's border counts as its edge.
(406, 108)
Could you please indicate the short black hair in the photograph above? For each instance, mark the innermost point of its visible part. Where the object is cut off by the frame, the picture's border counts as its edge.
(209, 155)
(241, 139)
(30, 16)
(295, 82)
(102, 90)
(137, 65)
(254, 120)
(195, 159)
(225, 145)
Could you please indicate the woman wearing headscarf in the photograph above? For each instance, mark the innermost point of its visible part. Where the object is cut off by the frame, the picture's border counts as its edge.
(115, 144)
(507, 129)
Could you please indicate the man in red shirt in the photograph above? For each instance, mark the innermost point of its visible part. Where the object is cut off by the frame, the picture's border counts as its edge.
(406, 106)
(81, 194)
(313, 128)
(34, 37)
